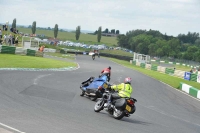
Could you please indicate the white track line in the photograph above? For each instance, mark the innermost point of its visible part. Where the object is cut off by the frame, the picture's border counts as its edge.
(181, 92)
(11, 128)
(40, 76)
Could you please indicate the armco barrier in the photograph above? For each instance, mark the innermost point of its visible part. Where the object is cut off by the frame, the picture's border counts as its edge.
(190, 90)
(8, 49)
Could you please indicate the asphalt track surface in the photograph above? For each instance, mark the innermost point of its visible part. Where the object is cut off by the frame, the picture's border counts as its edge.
(49, 102)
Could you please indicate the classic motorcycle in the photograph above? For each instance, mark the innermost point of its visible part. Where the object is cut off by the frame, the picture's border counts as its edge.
(94, 87)
(119, 107)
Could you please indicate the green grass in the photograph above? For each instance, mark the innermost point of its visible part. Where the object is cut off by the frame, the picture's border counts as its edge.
(170, 80)
(117, 52)
(68, 56)
(86, 38)
(183, 68)
(18, 61)
(178, 67)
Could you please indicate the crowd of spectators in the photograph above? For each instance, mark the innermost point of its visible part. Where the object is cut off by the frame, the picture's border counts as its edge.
(9, 39)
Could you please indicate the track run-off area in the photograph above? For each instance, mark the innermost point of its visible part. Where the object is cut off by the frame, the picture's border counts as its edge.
(50, 102)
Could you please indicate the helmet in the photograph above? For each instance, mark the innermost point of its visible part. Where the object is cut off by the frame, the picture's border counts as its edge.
(109, 67)
(127, 80)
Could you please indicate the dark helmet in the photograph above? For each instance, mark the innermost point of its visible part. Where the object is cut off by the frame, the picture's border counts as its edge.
(109, 67)
(127, 80)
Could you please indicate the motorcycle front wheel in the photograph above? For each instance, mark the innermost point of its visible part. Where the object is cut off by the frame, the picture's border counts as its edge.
(99, 105)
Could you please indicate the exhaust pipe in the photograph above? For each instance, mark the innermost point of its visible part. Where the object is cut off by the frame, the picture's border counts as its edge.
(90, 94)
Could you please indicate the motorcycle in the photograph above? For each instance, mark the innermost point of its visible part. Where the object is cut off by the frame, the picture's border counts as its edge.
(94, 87)
(93, 56)
(119, 107)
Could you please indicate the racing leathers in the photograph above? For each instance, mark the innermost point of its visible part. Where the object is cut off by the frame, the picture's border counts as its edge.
(107, 72)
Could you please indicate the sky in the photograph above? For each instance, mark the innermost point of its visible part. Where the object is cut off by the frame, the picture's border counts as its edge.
(167, 16)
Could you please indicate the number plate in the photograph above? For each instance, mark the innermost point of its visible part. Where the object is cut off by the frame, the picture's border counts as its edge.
(128, 108)
(105, 86)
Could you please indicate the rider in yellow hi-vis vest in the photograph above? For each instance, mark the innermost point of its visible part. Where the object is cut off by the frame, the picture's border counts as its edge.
(124, 90)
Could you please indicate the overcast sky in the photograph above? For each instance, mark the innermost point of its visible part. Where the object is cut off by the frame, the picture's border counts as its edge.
(168, 16)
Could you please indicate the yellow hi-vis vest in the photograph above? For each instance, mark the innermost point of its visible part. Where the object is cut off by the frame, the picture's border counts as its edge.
(124, 90)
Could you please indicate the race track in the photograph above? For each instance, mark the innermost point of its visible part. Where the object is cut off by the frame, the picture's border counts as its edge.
(49, 102)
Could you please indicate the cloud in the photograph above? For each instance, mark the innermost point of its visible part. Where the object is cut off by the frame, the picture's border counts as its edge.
(168, 16)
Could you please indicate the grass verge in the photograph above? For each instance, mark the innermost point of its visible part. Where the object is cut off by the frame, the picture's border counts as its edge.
(18, 61)
(170, 80)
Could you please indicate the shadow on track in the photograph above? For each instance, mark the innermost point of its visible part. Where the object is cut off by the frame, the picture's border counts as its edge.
(134, 121)
(125, 119)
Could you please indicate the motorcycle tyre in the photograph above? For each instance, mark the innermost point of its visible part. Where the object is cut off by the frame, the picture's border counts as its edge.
(120, 116)
(100, 101)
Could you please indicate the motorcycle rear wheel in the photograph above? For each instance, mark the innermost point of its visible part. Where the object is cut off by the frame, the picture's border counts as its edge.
(99, 105)
(119, 114)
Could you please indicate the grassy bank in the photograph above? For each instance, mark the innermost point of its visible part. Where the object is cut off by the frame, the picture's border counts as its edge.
(170, 80)
(18, 61)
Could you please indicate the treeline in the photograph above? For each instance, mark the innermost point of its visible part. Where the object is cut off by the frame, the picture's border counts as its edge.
(56, 29)
(154, 43)
(112, 31)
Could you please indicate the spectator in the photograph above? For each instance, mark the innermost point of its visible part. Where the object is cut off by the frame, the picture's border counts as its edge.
(6, 27)
(10, 39)
(191, 71)
(13, 40)
(41, 49)
(4, 38)
(0, 33)
(16, 41)
(3, 27)
(11, 29)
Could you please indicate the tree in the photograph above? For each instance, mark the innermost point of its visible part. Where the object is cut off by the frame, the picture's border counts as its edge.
(122, 41)
(106, 30)
(78, 31)
(113, 31)
(14, 23)
(56, 31)
(99, 34)
(34, 27)
(175, 47)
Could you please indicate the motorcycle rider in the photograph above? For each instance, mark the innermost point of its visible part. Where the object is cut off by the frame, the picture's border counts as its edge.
(93, 56)
(106, 71)
(124, 91)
